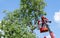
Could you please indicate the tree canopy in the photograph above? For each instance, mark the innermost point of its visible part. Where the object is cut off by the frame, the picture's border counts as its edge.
(15, 24)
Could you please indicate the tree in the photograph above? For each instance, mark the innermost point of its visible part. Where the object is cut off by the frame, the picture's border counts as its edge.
(15, 24)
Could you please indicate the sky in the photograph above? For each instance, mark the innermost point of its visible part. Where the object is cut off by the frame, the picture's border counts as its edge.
(9, 5)
(52, 9)
(53, 13)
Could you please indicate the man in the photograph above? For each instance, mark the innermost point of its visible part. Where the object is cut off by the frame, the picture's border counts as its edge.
(44, 20)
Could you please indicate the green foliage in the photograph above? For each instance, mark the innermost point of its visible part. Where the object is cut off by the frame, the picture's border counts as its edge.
(15, 23)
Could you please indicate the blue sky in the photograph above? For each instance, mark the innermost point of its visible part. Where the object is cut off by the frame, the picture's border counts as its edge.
(52, 9)
(9, 5)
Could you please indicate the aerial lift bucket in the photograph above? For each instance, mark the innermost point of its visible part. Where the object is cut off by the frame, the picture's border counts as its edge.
(43, 29)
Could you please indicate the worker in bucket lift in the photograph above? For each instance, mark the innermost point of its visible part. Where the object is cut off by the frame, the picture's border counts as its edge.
(44, 21)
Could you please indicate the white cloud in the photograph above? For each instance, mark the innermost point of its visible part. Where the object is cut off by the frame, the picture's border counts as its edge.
(57, 16)
(0, 21)
(48, 36)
